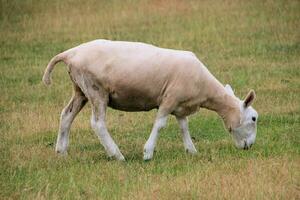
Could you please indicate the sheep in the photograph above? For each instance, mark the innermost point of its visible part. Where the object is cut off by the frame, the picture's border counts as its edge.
(133, 76)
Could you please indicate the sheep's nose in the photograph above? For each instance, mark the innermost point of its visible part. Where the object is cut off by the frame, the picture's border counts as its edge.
(246, 147)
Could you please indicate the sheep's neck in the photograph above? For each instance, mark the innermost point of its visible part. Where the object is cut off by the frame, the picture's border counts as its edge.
(225, 105)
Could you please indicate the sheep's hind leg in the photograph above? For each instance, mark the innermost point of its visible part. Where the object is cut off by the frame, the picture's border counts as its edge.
(68, 114)
(99, 104)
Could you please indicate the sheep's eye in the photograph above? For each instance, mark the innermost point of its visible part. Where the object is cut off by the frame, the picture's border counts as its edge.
(254, 119)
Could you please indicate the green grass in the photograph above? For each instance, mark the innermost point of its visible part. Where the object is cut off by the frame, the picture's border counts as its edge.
(249, 44)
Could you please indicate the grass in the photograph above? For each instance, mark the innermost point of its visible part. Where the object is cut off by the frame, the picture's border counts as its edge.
(249, 44)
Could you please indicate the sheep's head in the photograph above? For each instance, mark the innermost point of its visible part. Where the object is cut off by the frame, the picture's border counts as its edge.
(244, 131)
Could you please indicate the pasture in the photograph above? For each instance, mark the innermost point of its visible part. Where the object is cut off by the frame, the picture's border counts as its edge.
(248, 44)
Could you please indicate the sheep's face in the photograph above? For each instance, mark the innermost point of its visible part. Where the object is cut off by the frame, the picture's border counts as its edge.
(245, 133)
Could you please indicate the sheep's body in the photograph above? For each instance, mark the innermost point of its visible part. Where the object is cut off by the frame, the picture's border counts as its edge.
(133, 76)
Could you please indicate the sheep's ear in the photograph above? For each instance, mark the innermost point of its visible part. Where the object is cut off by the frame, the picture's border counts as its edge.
(249, 98)
(229, 90)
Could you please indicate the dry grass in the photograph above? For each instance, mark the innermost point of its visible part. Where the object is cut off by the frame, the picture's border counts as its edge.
(253, 179)
(249, 44)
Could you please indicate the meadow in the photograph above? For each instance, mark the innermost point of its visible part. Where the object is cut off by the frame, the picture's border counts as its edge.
(249, 44)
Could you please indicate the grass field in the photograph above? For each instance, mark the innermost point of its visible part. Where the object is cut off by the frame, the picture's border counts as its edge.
(249, 44)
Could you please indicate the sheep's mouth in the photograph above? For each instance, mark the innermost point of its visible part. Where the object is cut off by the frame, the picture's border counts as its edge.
(246, 146)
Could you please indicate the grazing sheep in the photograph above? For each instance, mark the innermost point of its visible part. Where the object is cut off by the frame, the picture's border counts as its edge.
(133, 76)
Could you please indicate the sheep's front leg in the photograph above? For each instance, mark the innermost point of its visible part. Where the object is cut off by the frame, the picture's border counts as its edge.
(159, 123)
(187, 141)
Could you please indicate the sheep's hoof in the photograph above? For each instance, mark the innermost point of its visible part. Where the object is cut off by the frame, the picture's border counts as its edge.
(148, 155)
(191, 151)
(61, 153)
(120, 157)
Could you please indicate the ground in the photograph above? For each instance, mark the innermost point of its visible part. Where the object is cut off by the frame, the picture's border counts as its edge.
(249, 44)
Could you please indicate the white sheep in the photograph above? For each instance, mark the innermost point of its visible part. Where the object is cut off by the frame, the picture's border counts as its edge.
(133, 76)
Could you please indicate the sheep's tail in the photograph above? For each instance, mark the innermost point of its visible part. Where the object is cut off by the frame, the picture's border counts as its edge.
(47, 74)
